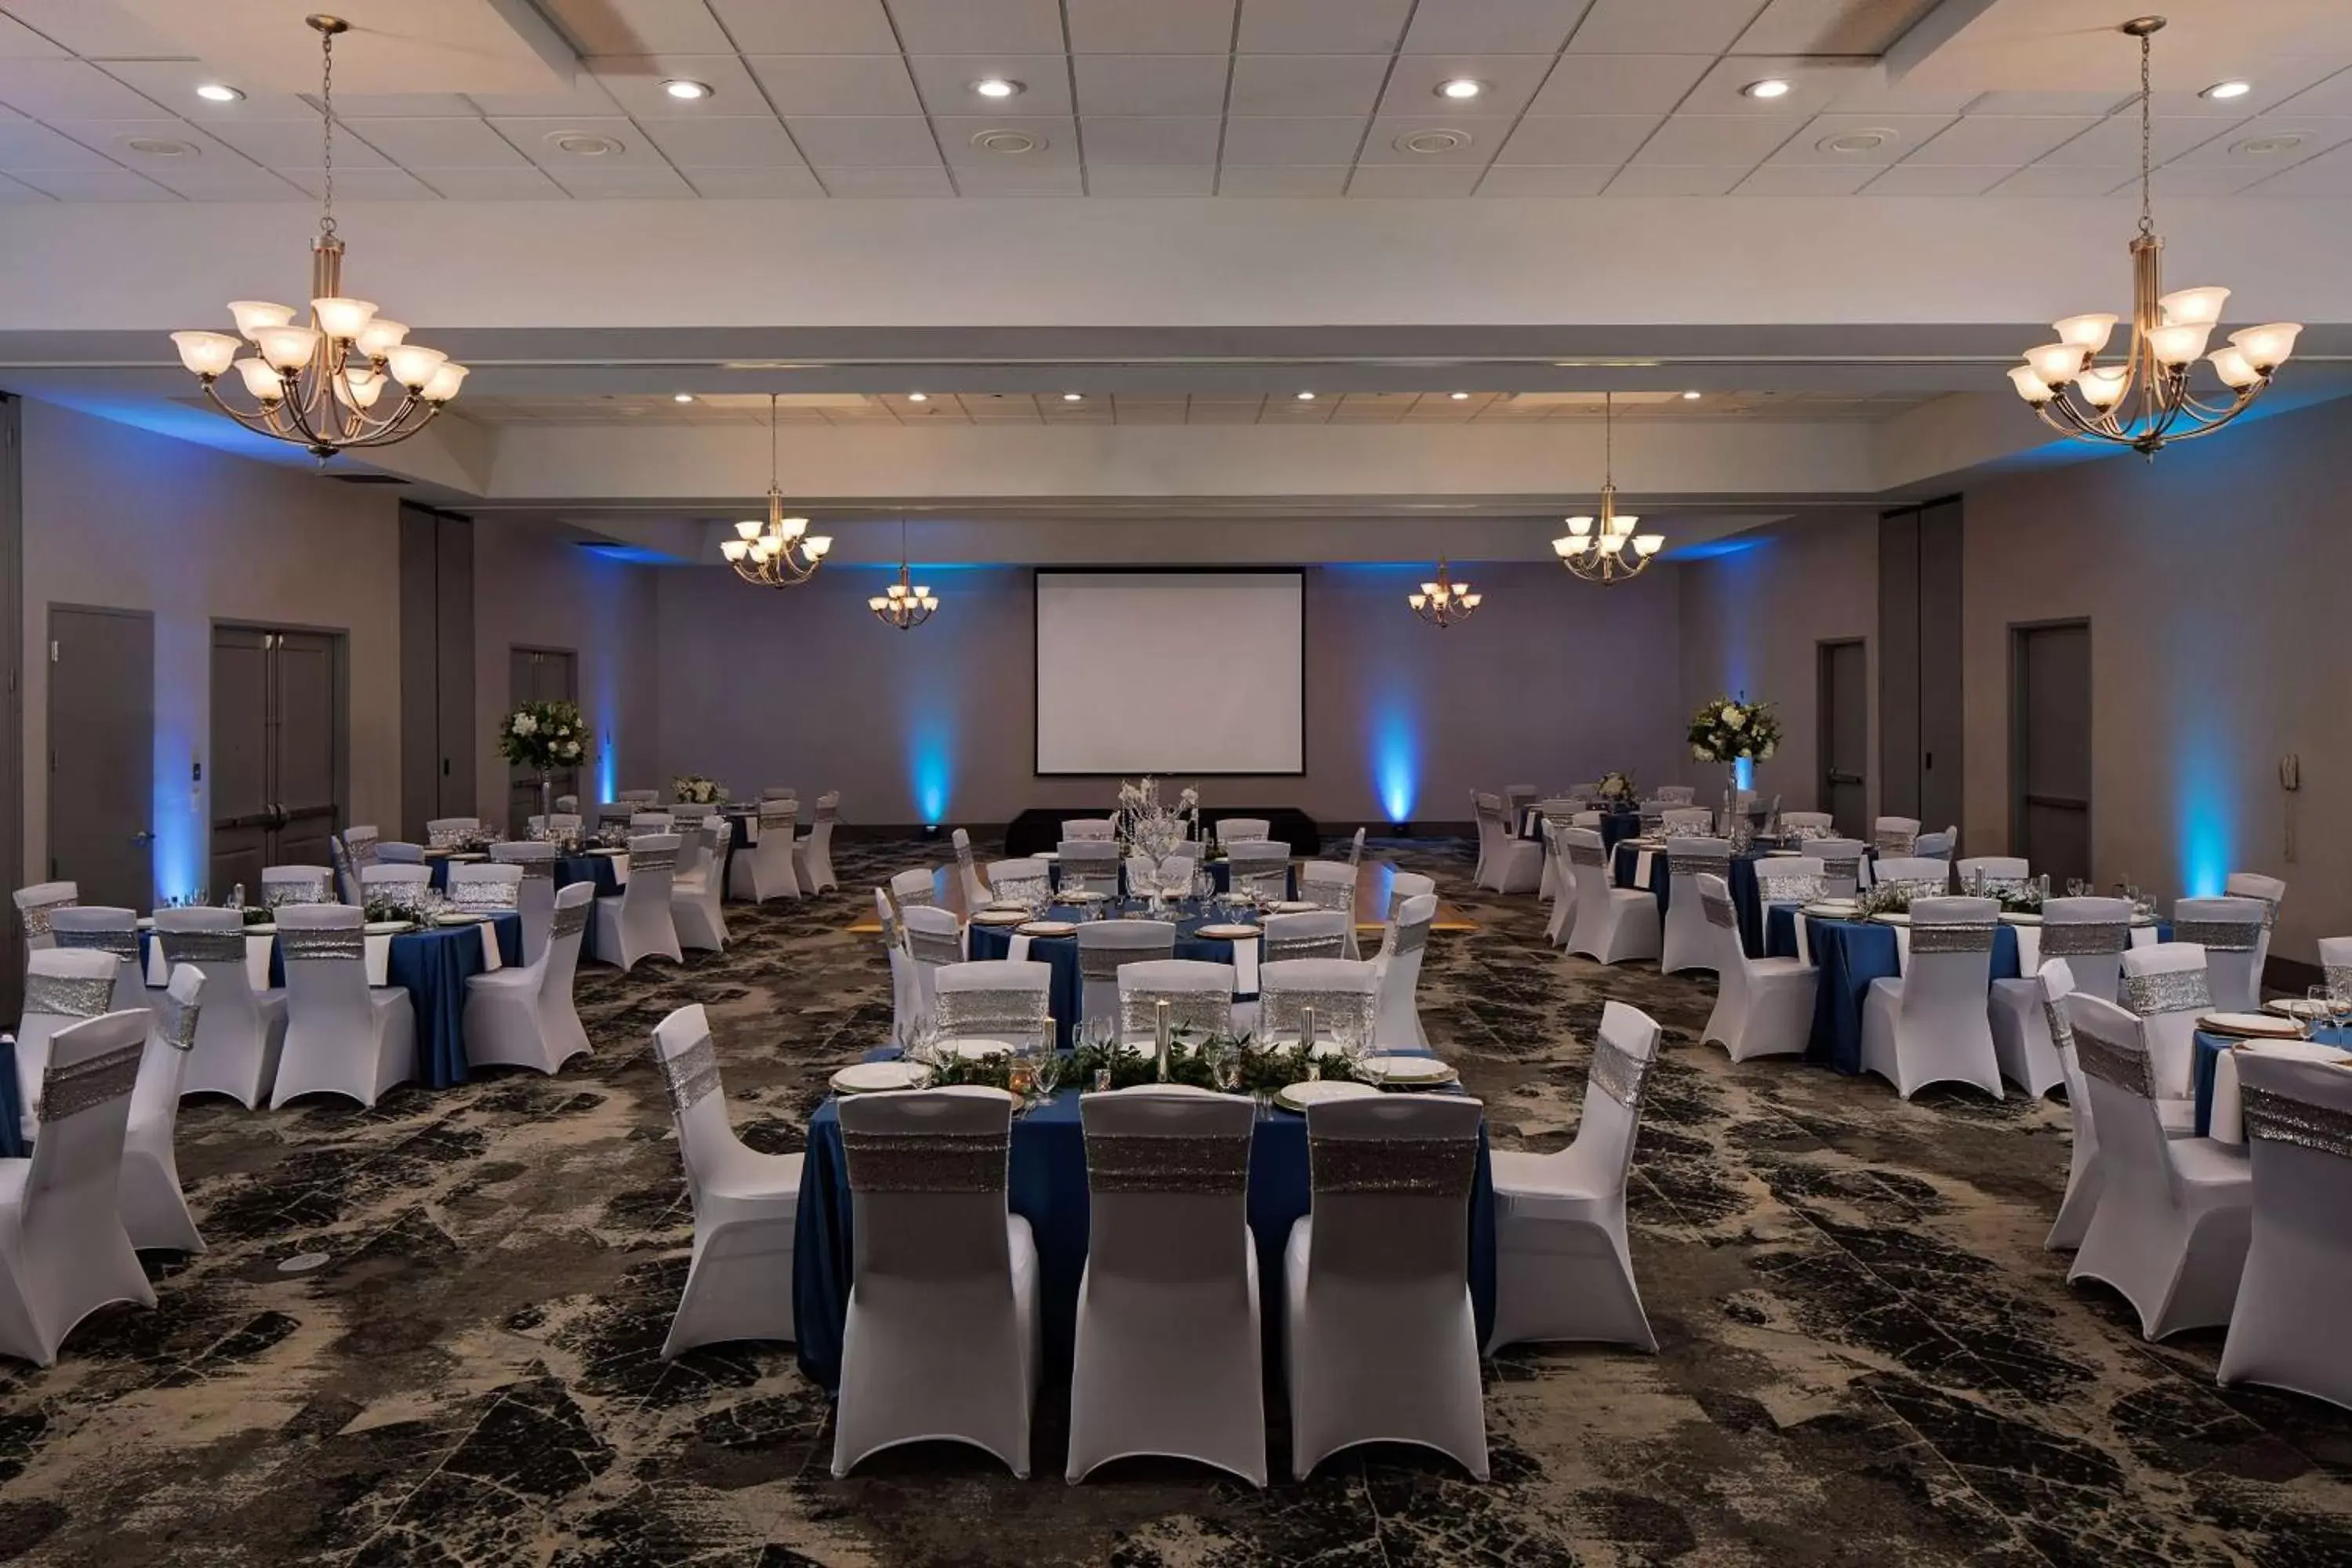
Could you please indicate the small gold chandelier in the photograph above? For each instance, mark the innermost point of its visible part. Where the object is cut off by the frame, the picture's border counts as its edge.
(780, 553)
(1444, 602)
(907, 604)
(1614, 552)
(318, 386)
(2169, 333)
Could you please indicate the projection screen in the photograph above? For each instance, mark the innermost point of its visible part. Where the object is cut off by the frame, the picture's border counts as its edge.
(1180, 673)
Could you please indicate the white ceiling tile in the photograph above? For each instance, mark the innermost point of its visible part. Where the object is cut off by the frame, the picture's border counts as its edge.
(1813, 85)
(2273, 82)
(526, 183)
(1539, 180)
(874, 141)
(2062, 180)
(2330, 96)
(638, 27)
(635, 83)
(2208, 179)
(2085, 105)
(2116, 141)
(1323, 26)
(733, 141)
(753, 185)
(1831, 27)
(836, 84)
(1299, 180)
(1662, 180)
(1573, 139)
(1330, 139)
(1662, 27)
(1722, 141)
(651, 183)
(95, 186)
(20, 42)
(1165, 139)
(173, 84)
(25, 145)
(1897, 135)
(807, 27)
(1307, 84)
(439, 143)
(538, 139)
(1869, 92)
(1620, 84)
(1482, 138)
(1151, 84)
(1998, 140)
(96, 29)
(882, 182)
(296, 144)
(1785, 179)
(115, 138)
(1056, 138)
(1149, 179)
(586, 95)
(1493, 26)
(359, 105)
(1917, 179)
(1150, 26)
(68, 90)
(210, 180)
(2250, 145)
(13, 191)
(975, 27)
(365, 184)
(1510, 81)
(2329, 175)
(946, 82)
(1018, 177)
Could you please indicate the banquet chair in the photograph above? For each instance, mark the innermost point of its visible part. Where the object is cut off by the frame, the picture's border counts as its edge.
(1166, 1348)
(2231, 932)
(97, 928)
(2057, 984)
(154, 1211)
(1844, 865)
(535, 897)
(296, 885)
(557, 825)
(1236, 829)
(1763, 1007)
(1924, 876)
(62, 987)
(63, 1252)
(2090, 934)
(1562, 1270)
(1807, 825)
(397, 852)
(1796, 879)
(916, 886)
(443, 832)
(642, 821)
(1517, 798)
(395, 881)
(694, 896)
(568, 802)
(975, 890)
(2336, 963)
(342, 1036)
(1089, 866)
(762, 868)
(943, 1334)
(1895, 834)
(1687, 820)
(1613, 923)
(1403, 885)
(2286, 1327)
(692, 826)
(1396, 1021)
(638, 796)
(1106, 947)
(612, 811)
(1316, 934)
(1379, 1340)
(1562, 920)
(1331, 884)
(780, 791)
(353, 851)
(523, 1015)
(1356, 849)
(1553, 814)
(904, 1007)
(1200, 998)
(1687, 943)
(1004, 999)
(1342, 993)
(738, 1278)
(242, 1032)
(2174, 1215)
(1178, 866)
(1258, 868)
(1675, 795)
(1088, 828)
(2271, 891)
(2166, 986)
(2001, 874)
(1142, 873)
(34, 906)
(1509, 864)
(1937, 846)
(812, 851)
(486, 887)
(1016, 882)
(935, 938)
(636, 923)
(1929, 1025)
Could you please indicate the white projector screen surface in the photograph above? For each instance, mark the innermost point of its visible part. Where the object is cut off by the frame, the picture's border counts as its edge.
(1182, 673)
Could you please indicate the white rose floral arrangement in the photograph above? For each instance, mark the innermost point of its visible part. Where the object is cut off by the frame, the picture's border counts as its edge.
(545, 737)
(1615, 786)
(1144, 824)
(693, 789)
(1729, 729)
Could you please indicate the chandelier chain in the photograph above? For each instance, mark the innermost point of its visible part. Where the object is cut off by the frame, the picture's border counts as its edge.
(2146, 142)
(327, 113)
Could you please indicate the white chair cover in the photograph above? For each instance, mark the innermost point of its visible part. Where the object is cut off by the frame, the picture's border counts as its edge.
(1687, 820)
(638, 796)
(1807, 825)
(1895, 834)
(762, 868)
(1342, 993)
(296, 885)
(905, 1007)
(2286, 1329)
(2001, 874)
(154, 1213)
(2231, 931)
(975, 891)
(2056, 984)
(1200, 998)
(1929, 1025)
(918, 885)
(1235, 829)
(1089, 866)
(657, 822)
(97, 928)
(1403, 885)
(488, 887)
(443, 832)
(1396, 1023)
(1087, 827)
(1613, 923)
(935, 938)
(1675, 795)
(637, 922)
(523, 1016)
(1922, 876)
(1846, 865)
(1105, 948)
(2165, 985)
(1331, 884)
(1004, 999)
(399, 852)
(1509, 864)
(1763, 1007)
(35, 905)
(2090, 936)
(342, 1036)
(1017, 881)
(1796, 879)
(694, 908)
(1937, 846)
(813, 854)
(63, 987)
(1689, 944)
(2271, 892)
(535, 894)
(242, 1032)
(1319, 933)
(1356, 848)
(1258, 868)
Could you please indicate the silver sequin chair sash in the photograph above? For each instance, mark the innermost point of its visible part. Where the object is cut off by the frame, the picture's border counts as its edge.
(925, 1161)
(69, 1091)
(776, 816)
(1279, 948)
(175, 1021)
(2221, 936)
(1339, 896)
(1342, 1015)
(486, 896)
(2284, 1119)
(1409, 939)
(1586, 854)
(122, 942)
(1720, 912)
(934, 946)
(1618, 1074)
(1161, 1163)
(569, 922)
(1846, 869)
(1105, 962)
(1694, 864)
(534, 870)
(1952, 938)
(1018, 890)
(2339, 978)
(68, 996)
(691, 1076)
(2125, 1068)
(1798, 890)
(2071, 939)
(966, 1015)
(1894, 842)
(2172, 991)
(297, 944)
(1393, 1167)
(2062, 1027)
(1192, 1011)
(654, 859)
(446, 837)
(37, 916)
(202, 946)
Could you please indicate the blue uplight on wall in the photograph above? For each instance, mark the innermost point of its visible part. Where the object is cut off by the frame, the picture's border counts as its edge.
(177, 860)
(930, 760)
(2208, 809)
(1396, 761)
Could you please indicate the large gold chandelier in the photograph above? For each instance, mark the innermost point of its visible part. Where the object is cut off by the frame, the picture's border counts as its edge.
(780, 553)
(907, 604)
(320, 386)
(2143, 401)
(1611, 552)
(1445, 602)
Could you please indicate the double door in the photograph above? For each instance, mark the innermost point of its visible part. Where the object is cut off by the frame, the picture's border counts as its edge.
(278, 749)
(539, 675)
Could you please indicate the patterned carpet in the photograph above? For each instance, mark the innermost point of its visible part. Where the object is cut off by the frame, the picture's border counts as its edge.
(1865, 1355)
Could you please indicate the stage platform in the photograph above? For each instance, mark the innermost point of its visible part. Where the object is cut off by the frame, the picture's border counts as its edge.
(1038, 829)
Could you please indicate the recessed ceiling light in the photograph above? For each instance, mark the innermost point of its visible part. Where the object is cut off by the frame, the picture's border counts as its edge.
(160, 147)
(221, 92)
(1460, 397)
(1306, 398)
(2228, 89)
(919, 397)
(681, 397)
(1461, 86)
(584, 143)
(996, 86)
(1006, 141)
(2265, 146)
(1074, 398)
(680, 87)
(1691, 396)
(1855, 141)
(1428, 143)
(1771, 87)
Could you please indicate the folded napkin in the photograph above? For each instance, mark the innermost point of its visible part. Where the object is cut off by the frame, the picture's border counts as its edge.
(752, 828)
(1902, 949)
(492, 958)
(1245, 966)
(257, 960)
(158, 971)
(620, 870)
(1019, 949)
(379, 959)
(2029, 950)
(1641, 867)
(2229, 1123)
(1528, 821)
(1804, 936)
(2143, 936)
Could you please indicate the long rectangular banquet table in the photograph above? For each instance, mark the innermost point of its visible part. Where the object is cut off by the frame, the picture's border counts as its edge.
(1068, 990)
(1046, 1185)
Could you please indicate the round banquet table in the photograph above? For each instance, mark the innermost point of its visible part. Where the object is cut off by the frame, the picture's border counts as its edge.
(1046, 1185)
(1220, 877)
(1625, 866)
(1068, 990)
(1615, 825)
(2207, 1058)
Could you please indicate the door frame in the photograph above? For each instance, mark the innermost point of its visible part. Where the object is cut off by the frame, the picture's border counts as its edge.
(2018, 632)
(341, 637)
(49, 796)
(12, 653)
(1821, 729)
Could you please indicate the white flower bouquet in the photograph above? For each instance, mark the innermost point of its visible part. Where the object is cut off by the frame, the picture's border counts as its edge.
(1615, 786)
(1728, 730)
(693, 789)
(546, 737)
(1149, 827)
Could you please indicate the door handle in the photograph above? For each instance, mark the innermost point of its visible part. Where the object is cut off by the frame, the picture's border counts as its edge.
(142, 836)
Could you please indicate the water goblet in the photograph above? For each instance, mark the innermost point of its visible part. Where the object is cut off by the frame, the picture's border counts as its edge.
(2318, 1011)
(1045, 1072)
(1225, 1068)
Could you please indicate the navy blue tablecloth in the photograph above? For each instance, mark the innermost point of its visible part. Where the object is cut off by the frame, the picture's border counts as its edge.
(1626, 860)
(1047, 1187)
(1068, 991)
(2209, 1052)
(12, 1109)
(1614, 825)
(1849, 955)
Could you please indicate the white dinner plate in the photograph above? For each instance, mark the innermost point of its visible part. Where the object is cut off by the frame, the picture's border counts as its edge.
(2251, 1025)
(1784, 852)
(388, 928)
(455, 919)
(871, 1078)
(1293, 907)
(1009, 906)
(1412, 1070)
(1001, 918)
(1047, 855)
(1226, 932)
(2020, 918)
(1081, 896)
(1319, 1091)
(2297, 1007)
(1049, 928)
(267, 929)
(1833, 910)
(469, 855)
(604, 849)
(978, 1049)
(1894, 918)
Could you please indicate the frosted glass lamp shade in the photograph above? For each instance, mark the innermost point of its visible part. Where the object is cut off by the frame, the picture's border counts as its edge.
(413, 365)
(2176, 346)
(207, 354)
(2057, 364)
(260, 380)
(816, 546)
(2193, 307)
(748, 528)
(444, 384)
(2030, 386)
(2087, 332)
(2105, 387)
(342, 319)
(251, 314)
(735, 549)
(2267, 347)
(286, 348)
(380, 337)
(878, 605)
(2231, 364)
(1648, 543)
(1417, 600)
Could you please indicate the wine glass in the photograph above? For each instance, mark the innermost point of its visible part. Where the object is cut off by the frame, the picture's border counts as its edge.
(1045, 1072)
(1225, 1068)
(2320, 1005)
